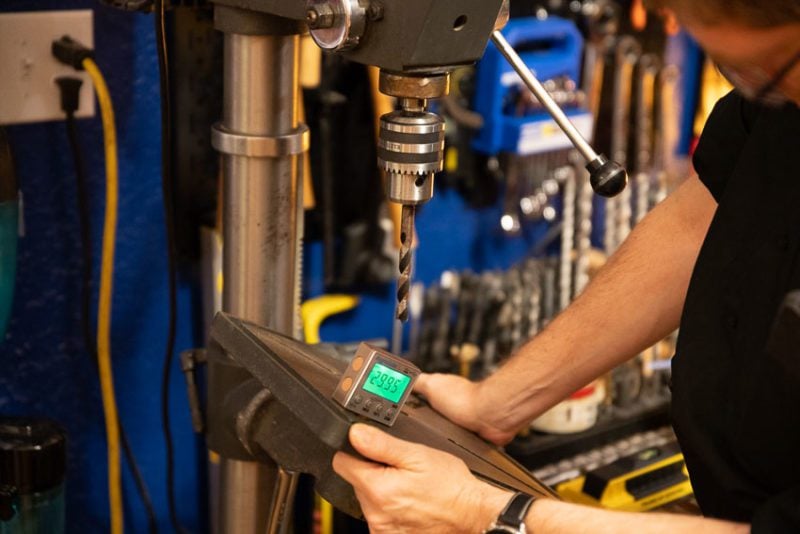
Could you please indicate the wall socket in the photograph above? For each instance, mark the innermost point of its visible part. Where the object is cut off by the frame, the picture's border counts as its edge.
(28, 92)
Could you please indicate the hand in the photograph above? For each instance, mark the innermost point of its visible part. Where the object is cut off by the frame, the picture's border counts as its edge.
(415, 489)
(460, 400)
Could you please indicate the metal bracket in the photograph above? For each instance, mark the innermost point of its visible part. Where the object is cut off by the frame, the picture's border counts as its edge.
(190, 360)
(258, 146)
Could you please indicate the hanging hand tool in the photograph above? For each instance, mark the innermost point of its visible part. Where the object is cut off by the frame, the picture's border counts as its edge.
(566, 175)
(618, 211)
(583, 231)
(666, 129)
(430, 314)
(471, 349)
(549, 290)
(496, 298)
(450, 289)
(464, 308)
(509, 222)
(645, 89)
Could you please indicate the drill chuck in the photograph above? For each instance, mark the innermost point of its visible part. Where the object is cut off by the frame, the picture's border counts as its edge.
(411, 151)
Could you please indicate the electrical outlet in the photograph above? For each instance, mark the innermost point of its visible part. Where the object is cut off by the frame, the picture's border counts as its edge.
(28, 70)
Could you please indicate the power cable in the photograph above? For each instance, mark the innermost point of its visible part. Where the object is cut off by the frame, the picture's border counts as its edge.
(106, 292)
(70, 93)
(169, 224)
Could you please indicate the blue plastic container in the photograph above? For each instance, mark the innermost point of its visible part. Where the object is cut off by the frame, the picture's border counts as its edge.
(551, 48)
(9, 215)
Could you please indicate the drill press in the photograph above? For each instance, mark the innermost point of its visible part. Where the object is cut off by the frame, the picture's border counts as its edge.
(415, 43)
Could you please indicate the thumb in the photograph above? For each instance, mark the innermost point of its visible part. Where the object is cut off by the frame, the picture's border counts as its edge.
(380, 447)
(426, 383)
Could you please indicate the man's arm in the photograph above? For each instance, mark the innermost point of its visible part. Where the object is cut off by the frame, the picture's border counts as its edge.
(554, 517)
(404, 487)
(633, 302)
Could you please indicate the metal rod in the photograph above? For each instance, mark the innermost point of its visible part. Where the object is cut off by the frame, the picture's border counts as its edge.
(544, 97)
(261, 230)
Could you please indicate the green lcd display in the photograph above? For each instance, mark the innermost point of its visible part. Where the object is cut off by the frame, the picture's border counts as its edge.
(387, 383)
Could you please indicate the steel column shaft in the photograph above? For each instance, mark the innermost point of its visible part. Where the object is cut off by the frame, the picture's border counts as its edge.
(260, 217)
(261, 229)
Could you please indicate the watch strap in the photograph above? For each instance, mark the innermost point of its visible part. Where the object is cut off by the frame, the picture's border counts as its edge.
(515, 511)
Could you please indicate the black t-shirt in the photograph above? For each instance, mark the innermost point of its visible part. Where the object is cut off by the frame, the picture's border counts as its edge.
(736, 409)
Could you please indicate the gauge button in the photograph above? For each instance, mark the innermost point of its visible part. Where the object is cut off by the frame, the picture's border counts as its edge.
(346, 384)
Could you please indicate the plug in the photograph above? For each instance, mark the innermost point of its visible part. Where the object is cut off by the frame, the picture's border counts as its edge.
(70, 52)
(70, 89)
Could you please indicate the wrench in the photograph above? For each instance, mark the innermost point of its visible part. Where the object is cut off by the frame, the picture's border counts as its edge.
(645, 88)
(627, 54)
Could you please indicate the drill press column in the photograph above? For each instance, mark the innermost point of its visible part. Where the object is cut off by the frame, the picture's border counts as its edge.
(410, 151)
(261, 140)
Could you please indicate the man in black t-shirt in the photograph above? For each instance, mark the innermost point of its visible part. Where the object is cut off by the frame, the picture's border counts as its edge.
(717, 257)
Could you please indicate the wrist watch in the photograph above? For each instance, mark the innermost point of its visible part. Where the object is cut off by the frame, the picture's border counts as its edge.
(512, 519)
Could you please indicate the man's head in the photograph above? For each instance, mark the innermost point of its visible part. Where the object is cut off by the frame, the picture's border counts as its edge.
(755, 42)
(756, 13)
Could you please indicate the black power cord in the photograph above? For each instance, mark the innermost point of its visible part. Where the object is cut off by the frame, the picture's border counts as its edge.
(169, 223)
(70, 96)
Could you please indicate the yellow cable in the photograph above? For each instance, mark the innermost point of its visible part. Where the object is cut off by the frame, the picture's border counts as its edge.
(106, 291)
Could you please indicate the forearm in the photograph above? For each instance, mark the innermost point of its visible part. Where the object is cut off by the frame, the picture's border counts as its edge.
(633, 302)
(553, 517)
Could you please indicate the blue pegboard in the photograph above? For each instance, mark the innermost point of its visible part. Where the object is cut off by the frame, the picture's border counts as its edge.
(45, 368)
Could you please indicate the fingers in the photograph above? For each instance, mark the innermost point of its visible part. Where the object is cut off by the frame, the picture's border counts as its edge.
(352, 469)
(383, 448)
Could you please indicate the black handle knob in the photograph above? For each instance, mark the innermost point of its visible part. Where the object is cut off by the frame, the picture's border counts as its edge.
(608, 178)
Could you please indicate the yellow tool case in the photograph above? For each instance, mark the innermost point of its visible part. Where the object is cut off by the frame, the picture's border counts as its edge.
(643, 481)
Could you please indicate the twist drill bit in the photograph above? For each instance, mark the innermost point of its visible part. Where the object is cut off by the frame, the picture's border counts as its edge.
(406, 252)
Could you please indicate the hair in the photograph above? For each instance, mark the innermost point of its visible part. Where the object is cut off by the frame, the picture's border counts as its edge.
(756, 13)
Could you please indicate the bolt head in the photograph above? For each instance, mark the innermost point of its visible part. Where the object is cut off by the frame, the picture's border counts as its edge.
(375, 11)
